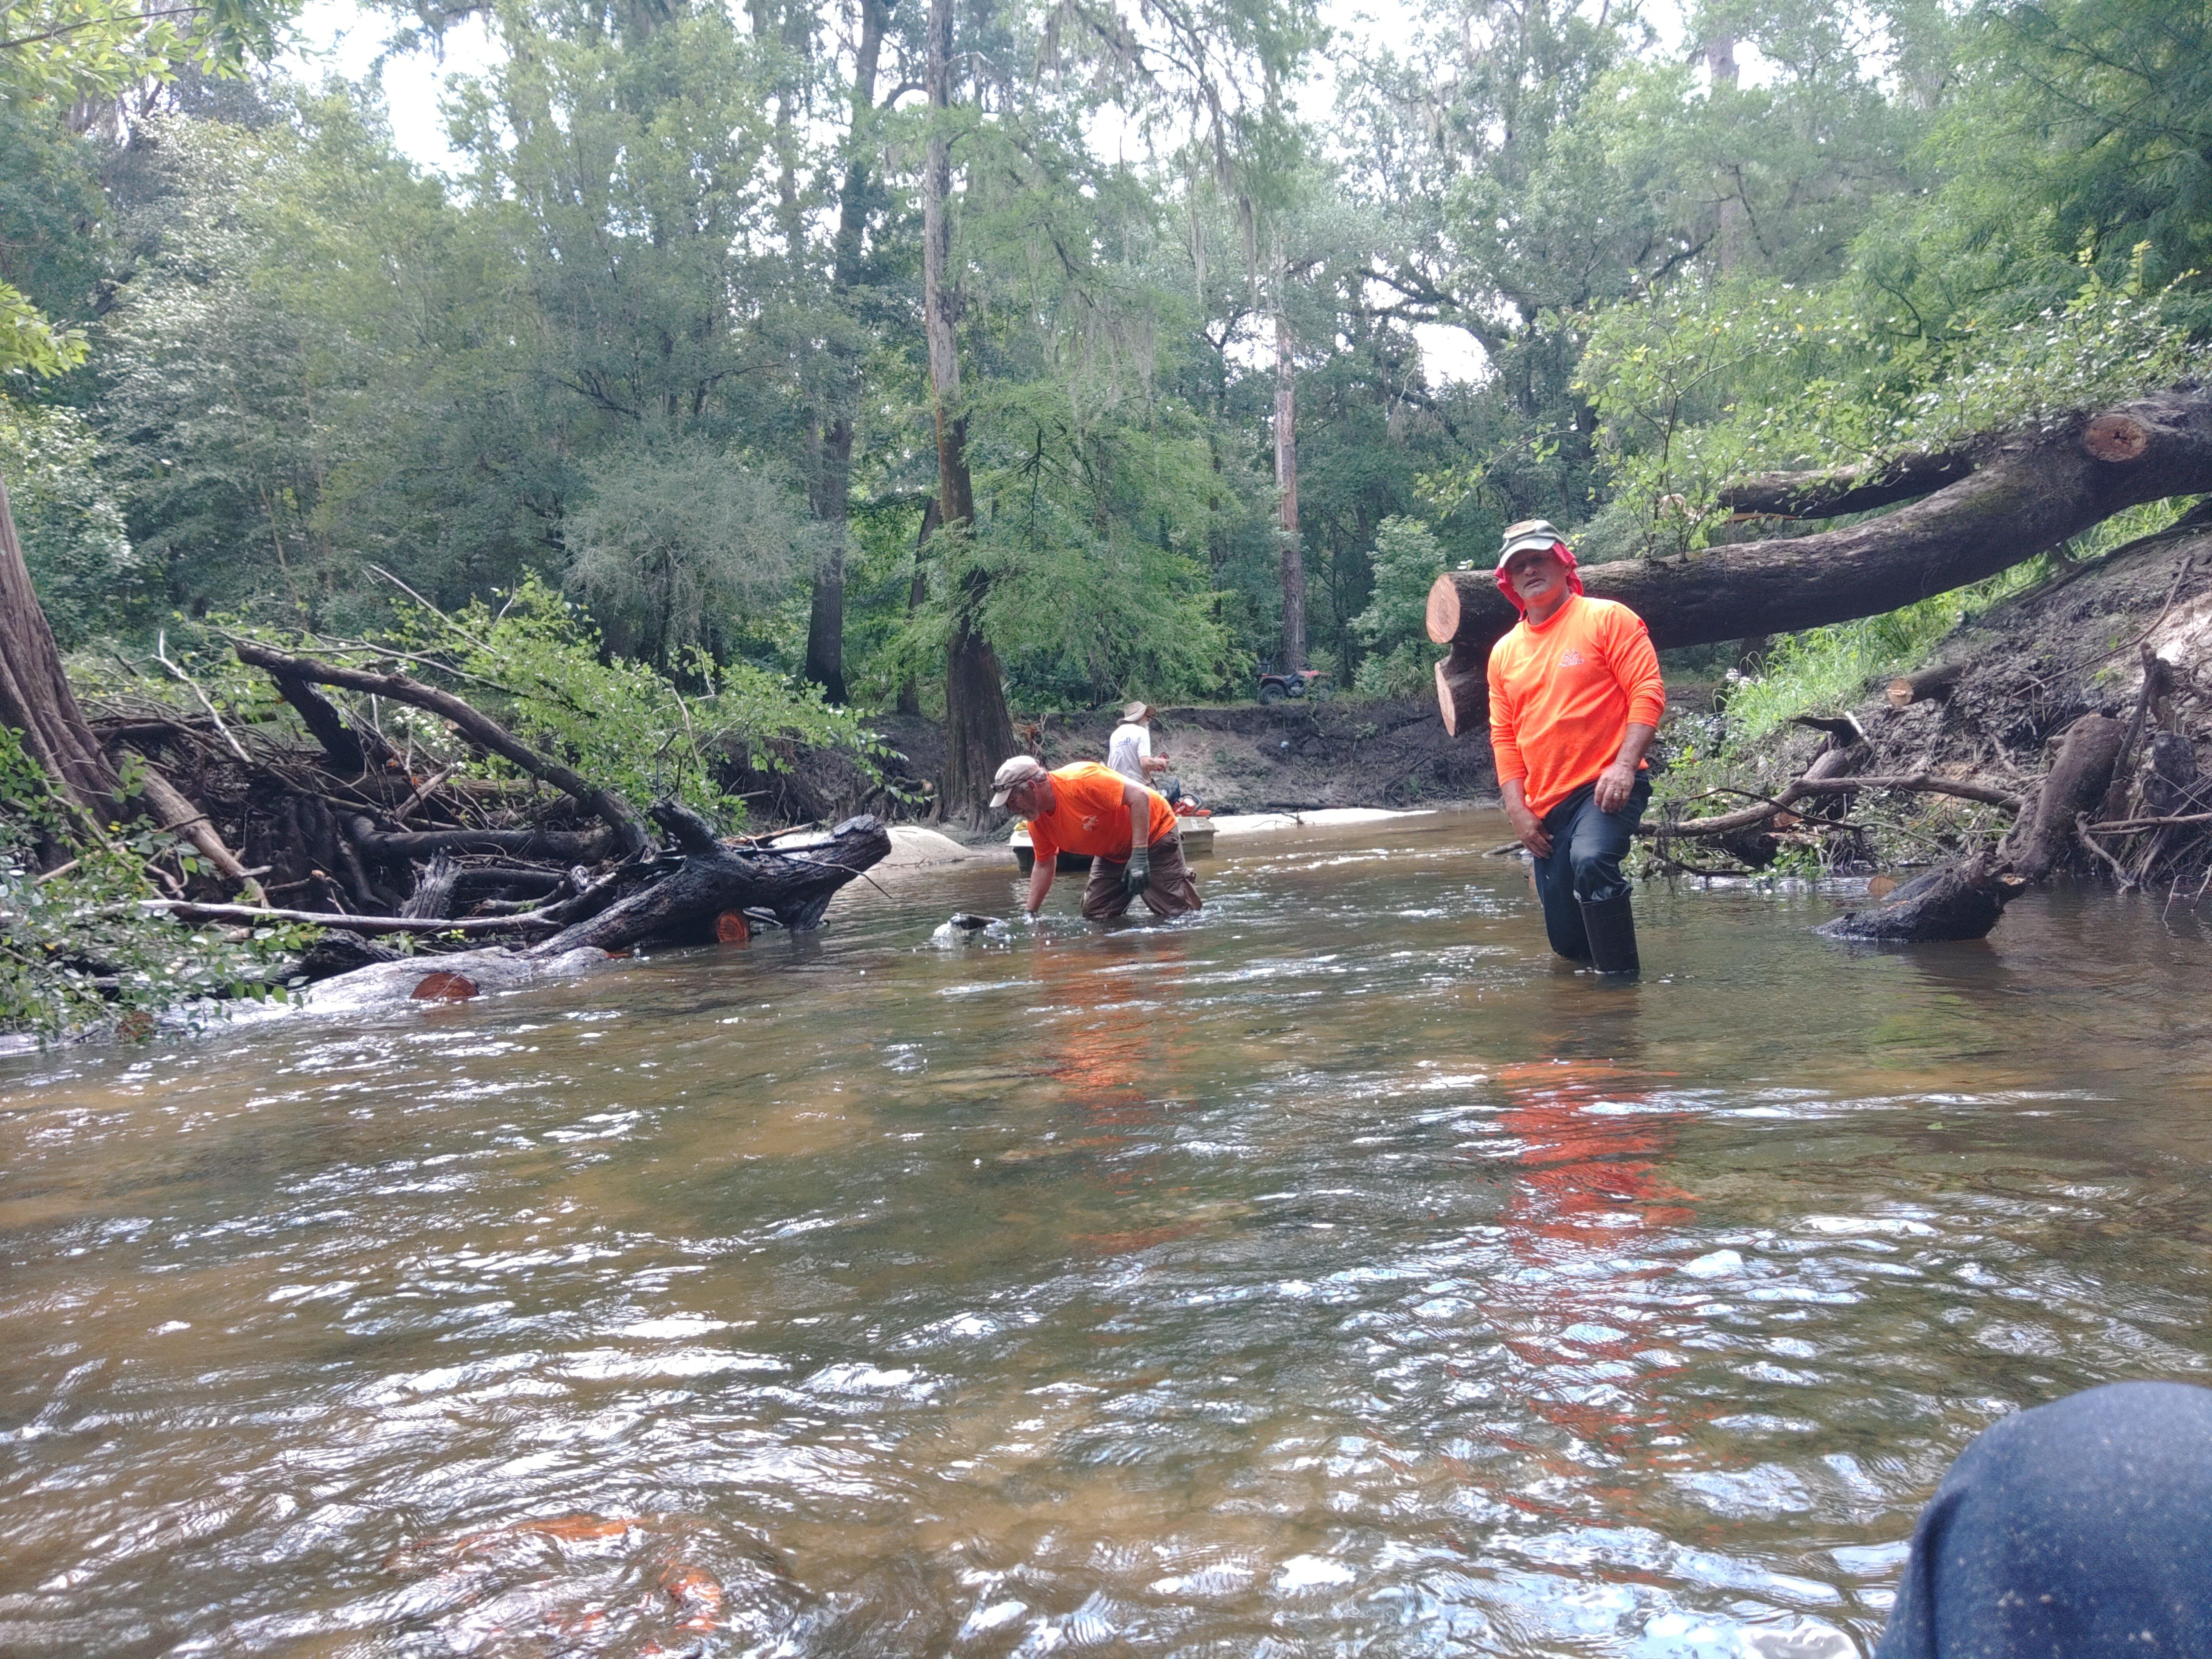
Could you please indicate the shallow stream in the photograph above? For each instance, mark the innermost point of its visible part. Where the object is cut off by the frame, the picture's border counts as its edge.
(1332, 1274)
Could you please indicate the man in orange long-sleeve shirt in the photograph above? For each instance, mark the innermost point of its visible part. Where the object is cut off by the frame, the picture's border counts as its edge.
(1575, 698)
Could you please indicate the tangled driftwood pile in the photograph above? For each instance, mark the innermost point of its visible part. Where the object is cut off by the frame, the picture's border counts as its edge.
(2079, 710)
(345, 836)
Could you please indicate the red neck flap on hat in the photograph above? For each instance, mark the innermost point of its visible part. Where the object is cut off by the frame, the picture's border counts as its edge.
(1566, 557)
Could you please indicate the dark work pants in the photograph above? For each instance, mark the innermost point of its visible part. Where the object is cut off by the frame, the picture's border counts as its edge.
(1586, 846)
(2082, 1527)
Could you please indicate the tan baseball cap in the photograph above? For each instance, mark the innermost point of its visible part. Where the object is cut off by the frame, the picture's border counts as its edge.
(1012, 775)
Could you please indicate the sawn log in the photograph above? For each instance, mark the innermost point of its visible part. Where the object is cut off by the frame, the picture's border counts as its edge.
(2025, 494)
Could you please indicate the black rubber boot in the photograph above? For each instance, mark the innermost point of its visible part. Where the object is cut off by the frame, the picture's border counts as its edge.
(1611, 927)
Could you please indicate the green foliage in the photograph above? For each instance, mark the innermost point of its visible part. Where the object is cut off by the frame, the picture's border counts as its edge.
(674, 547)
(79, 953)
(536, 662)
(1401, 659)
(88, 575)
(1711, 381)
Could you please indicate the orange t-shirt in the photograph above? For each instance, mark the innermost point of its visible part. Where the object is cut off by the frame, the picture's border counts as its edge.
(1089, 818)
(1563, 696)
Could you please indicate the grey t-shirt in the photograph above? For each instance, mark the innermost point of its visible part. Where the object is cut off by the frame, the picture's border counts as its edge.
(1126, 754)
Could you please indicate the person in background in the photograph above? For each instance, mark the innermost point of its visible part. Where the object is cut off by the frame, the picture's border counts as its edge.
(1128, 833)
(1129, 751)
(1575, 698)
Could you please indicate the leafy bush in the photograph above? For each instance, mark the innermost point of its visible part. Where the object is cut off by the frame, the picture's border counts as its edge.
(1401, 659)
(1708, 382)
(537, 664)
(78, 952)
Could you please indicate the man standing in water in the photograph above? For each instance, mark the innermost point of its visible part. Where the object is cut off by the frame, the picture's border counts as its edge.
(1128, 833)
(1575, 698)
(1129, 751)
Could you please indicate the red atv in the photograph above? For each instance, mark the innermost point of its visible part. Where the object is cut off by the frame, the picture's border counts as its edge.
(1274, 686)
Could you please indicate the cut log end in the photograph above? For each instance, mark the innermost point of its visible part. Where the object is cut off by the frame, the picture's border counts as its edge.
(443, 986)
(2115, 437)
(1930, 685)
(730, 927)
(1443, 618)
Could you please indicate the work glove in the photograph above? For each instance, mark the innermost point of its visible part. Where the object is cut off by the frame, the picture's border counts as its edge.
(1139, 874)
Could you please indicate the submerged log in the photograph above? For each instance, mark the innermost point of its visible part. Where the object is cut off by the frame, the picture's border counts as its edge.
(793, 885)
(1957, 901)
(2025, 495)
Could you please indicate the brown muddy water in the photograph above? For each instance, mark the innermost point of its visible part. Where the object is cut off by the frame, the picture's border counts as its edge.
(1330, 1274)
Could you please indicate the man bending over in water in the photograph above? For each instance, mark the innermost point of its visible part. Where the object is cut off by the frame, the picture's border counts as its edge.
(1128, 833)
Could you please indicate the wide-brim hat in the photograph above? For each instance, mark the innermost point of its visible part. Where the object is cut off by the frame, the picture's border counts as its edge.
(1136, 711)
(1012, 774)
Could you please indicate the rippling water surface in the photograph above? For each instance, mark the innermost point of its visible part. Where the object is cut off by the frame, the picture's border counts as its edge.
(1332, 1273)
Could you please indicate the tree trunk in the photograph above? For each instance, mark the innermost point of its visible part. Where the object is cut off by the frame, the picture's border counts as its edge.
(35, 698)
(2025, 496)
(792, 884)
(909, 693)
(1286, 484)
(979, 732)
(2043, 838)
(1957, 901)
(831, 489)
(825, 616)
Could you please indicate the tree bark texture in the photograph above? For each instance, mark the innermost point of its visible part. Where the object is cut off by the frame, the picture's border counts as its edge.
(909, 691)
(1957, 901)
(979, 734)
(794, 884)
(36, 697)
(2024, 496)
(480, 729)
(833, 472)
(1292, 550)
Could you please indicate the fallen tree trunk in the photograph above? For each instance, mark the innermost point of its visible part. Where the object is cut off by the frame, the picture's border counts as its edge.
(2075, 785)
(567, 846)
(1918, 782)
(2025, 495)
(794, 885)
(1957, 901)
(478, 728)
(1847, 489)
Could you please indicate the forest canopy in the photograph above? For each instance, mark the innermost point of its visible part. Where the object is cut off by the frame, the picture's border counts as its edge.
(670, 338)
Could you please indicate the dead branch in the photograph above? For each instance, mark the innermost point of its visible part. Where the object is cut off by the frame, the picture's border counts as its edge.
(630, 832)
(1918, 783)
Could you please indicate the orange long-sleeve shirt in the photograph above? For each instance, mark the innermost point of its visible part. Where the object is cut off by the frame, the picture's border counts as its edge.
(1564, 695)
(1091, 815)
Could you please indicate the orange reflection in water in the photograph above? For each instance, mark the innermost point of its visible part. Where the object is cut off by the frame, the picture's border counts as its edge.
(1588, 1198)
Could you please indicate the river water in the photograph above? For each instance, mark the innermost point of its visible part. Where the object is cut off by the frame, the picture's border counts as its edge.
(1331, 1273)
